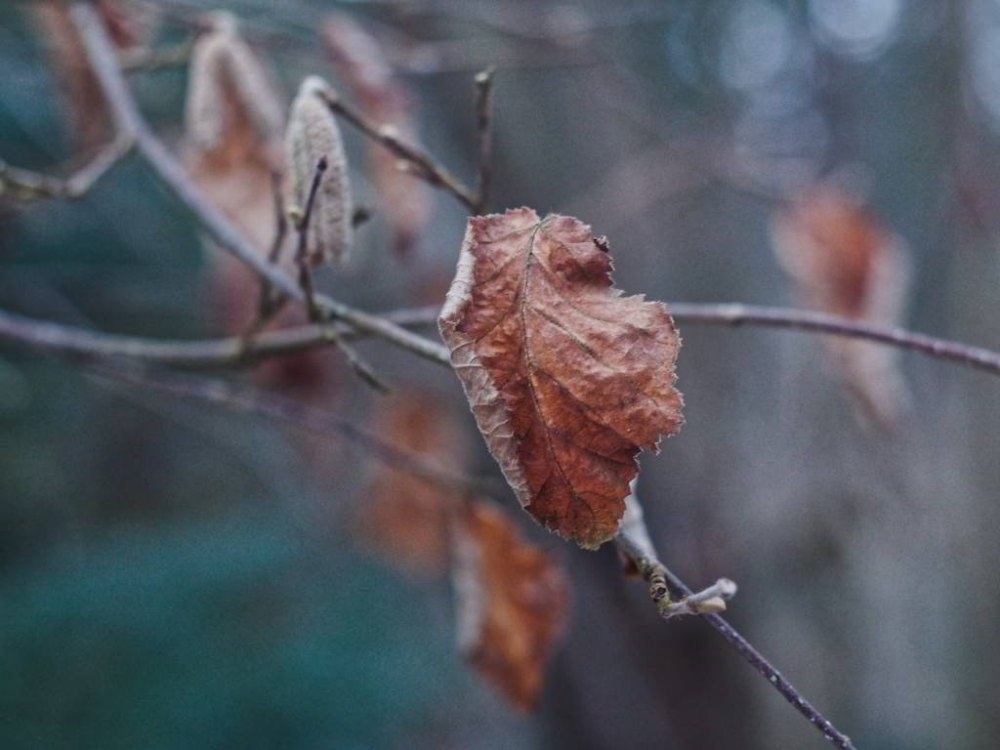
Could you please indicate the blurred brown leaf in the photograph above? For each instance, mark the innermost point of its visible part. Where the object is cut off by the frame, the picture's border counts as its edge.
(512, 602)
(232, 130)
(129, 24)
(233, 125)
(404, 517)
(845, 261)
(362, 66)
(567, 378)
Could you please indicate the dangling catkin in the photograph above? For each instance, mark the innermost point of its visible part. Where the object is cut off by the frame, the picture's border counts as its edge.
(228, 87)
(313, 134)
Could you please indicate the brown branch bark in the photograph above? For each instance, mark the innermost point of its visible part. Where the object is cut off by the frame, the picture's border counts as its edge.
(418, 162)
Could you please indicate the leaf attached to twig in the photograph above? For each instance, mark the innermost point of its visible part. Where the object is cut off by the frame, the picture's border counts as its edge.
(567, 378)
(512, 601)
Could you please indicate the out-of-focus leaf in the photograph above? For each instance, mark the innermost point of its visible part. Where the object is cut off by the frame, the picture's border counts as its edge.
(512, 602)
(844, 260)
(361, 65)
(567, 379)
(129, 25)
(233, 124)
(405, 517)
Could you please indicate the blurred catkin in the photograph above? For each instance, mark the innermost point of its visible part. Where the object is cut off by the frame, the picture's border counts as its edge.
(228, 88)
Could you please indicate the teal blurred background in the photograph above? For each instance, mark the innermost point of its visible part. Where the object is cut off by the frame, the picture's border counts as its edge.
(176, 576)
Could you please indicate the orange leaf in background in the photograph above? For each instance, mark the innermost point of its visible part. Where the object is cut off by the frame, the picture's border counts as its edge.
(512, 601)
(361, 65)
(129, 24)
(233, 127)
(233, 122)
(567, 379)
(845, 261)
(406, 517)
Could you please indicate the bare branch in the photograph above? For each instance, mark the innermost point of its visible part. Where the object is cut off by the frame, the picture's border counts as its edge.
(418, 162)
(26, 186)
(484, 131)
(230, 352)
(301, 256)
(235, 351)
(734, 314)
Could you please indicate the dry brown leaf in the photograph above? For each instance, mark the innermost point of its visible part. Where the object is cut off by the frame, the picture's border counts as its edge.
(405, 517)
(362, 66)
(512, 602)
(845, 261)
(567, 379)
(129, 25)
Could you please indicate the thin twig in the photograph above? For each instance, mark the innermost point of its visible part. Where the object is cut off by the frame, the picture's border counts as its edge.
(484, 132)
(418, 162)
(25, 186)
(735, 314)
(235, 351)
(58, 338)
(302, 258)
(355, 360)
(269, 303)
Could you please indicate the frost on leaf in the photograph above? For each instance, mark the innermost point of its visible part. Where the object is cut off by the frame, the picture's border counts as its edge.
(313, 135)
(845, 261)
(567, 379)
(361, 65)
(512, 601)
(404, 516)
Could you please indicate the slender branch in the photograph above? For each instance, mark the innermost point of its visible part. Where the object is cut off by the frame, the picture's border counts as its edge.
(420, 163)
(634, 543)
(633, 538)
(25, 186)
(734, 314)
(301, 255)
(268, 303)
(234, 351)
(104, 62)
(484, 131)
(355, 360)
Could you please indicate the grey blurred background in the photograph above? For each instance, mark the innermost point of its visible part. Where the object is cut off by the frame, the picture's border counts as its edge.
(173, 575)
